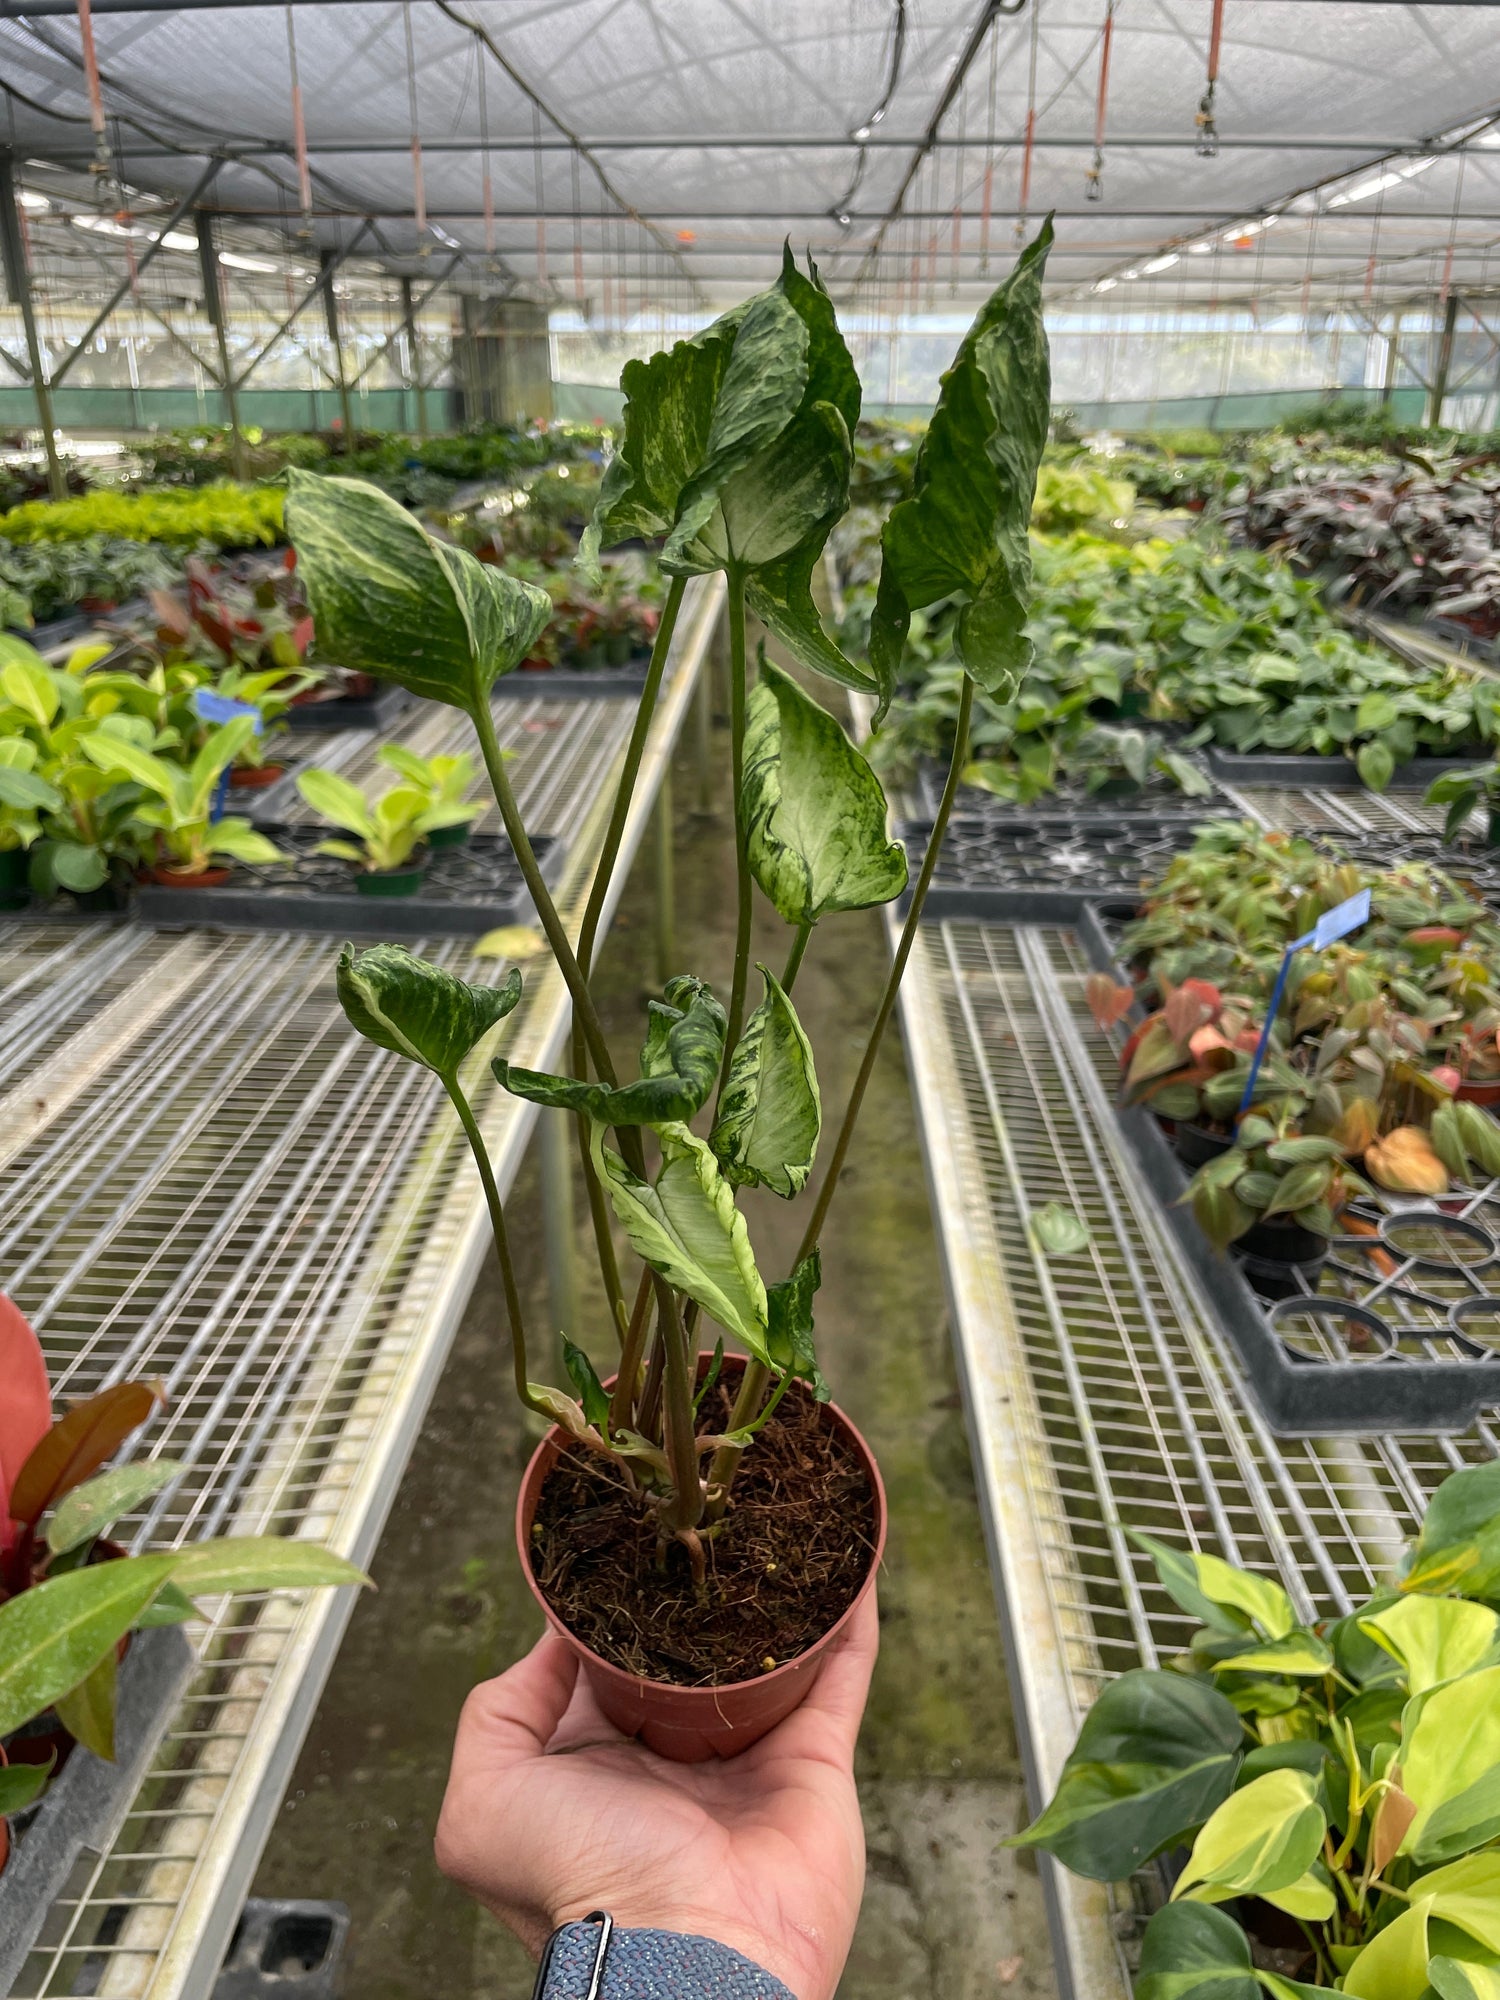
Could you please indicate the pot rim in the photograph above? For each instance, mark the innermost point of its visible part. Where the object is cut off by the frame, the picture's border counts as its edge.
(550, 1448)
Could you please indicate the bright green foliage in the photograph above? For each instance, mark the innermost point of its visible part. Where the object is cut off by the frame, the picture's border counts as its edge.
(390, 829)
(766, 1131)
(963, 532)
(1366, 1799)
(180, 805)
(228, 517)
(90, 1509)
(814, 811)
(389, 599)
(1058, 1231)
(420, 1010)
(789, 1324)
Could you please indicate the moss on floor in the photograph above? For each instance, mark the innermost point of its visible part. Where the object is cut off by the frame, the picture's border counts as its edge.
(946, 1909)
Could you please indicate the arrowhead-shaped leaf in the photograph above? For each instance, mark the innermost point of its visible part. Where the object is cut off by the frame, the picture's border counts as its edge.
(789, 1336)
(1156, 1754)
(770, 1113)
(415, 1008)
(813, 810)
(390, 600)
(679, 1067)
(687, 1228)
(963, 532)
(1264, 1836)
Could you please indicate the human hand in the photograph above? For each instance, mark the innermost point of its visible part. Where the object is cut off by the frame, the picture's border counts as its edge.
(550, 1812)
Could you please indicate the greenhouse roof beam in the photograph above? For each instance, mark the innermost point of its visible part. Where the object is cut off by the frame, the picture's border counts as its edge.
(316, 290)
(127, 283)
(409, 318)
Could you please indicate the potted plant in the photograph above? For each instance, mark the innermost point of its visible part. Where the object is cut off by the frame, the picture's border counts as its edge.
(1325, 1794)
(1464, 793)
(180, 809)
(70, 1598)
(704, 1475)
(390, 830)
(23, 794)
(445, 782)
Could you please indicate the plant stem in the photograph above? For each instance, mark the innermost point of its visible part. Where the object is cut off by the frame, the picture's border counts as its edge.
(588, 932)
(541, 896)
(737, 700)
(622, 1403)
(680, 1438)
(794, 957)
(756, 1377)
(502, 1242)
(893, 983)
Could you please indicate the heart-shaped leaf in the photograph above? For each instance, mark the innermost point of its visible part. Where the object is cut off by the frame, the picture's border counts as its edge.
(419, 1010)
(770, 1113)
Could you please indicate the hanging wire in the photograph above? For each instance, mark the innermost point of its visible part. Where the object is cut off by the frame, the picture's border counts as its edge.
(842, 210)
(1093, 186)
(299, 128)
(987, 198)
(541, 202)
(1208, 132)
(1458, 198)
(1029, 145)
(419, 192)
(487, 183)
(578, 285)
(959, 156)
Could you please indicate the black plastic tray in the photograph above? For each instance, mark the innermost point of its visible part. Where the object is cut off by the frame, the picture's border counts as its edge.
(465, 892)
(285, 1949)
(1036, 868)
(350, 711)
(1328, 774)
(85, 1804)
(1152, 801)
(575, 684)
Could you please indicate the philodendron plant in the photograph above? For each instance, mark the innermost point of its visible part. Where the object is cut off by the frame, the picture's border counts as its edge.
(735, 454)
(1329, 1794)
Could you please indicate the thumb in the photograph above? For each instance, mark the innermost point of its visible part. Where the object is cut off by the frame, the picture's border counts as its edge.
(511, 1719)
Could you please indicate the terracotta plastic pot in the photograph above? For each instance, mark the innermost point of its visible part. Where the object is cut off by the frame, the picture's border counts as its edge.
(692, 1724)
(1487, 1094)
(177, 878)
(253, 777)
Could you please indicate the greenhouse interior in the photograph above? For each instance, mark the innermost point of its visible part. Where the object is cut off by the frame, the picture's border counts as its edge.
(750, 750)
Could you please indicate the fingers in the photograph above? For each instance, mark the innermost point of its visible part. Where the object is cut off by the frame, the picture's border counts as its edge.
(512, 1719)
(827, 1723)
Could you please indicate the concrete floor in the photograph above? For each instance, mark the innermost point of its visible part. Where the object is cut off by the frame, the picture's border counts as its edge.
(946, 1912)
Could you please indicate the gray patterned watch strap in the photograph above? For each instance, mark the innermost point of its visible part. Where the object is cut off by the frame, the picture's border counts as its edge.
(648, 1965)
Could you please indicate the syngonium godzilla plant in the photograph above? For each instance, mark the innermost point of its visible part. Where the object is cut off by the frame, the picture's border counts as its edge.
(735, 456)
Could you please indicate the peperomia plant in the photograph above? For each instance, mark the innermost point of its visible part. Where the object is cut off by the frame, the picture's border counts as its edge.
(735, 453)
(1327, 1794)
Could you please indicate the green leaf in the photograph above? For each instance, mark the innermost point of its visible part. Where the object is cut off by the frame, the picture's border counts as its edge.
(89, 1509)
(1458, 1547)
(813, 810)
(1192, 1952)
(1310, 1897)
(1178, 1572)
(1298, 1652)
(1435, 1638)
(170, 1606)
(963, 533)
(22, 1784)
(687, 1228)
(1298, 1187)
(87, 1712)
(1375, 763)
(417, 1009)
(241, 842)
(26, 792)
(1451, 1739)
(1265, 1836)
(54, 1635)
(1058, 1232)
(1467, 1893)
(1220, 1587)
(679, 1066)
(78, 868)
(390, 600)
(769, 1115)
(1393, 1965)
(1156, 1754)
(789, 1324)
(591, 1391)
(259, 1562)
(1459, 1979)
(334, 798)
(791, 493)
(1461, 1823)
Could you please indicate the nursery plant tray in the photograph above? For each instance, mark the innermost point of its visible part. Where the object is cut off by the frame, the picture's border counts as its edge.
(465, 892)
(85, 1804)
(350, 711)
(1355, 1348)
(1340, 774)
(1153, 801)
(1037, 869)
(575, 683)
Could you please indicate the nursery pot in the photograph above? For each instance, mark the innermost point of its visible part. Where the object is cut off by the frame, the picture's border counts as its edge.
(403, 881)
(450, 836)
(182, 878)
(1195, 1146)
(1487, 1093)
(253, 777)
(1277, 1254)
(15, 868)
(690, 1725)
(1492, 827)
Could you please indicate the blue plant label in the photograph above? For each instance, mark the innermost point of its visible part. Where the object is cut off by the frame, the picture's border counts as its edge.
(1339, 921)
(218, 708)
